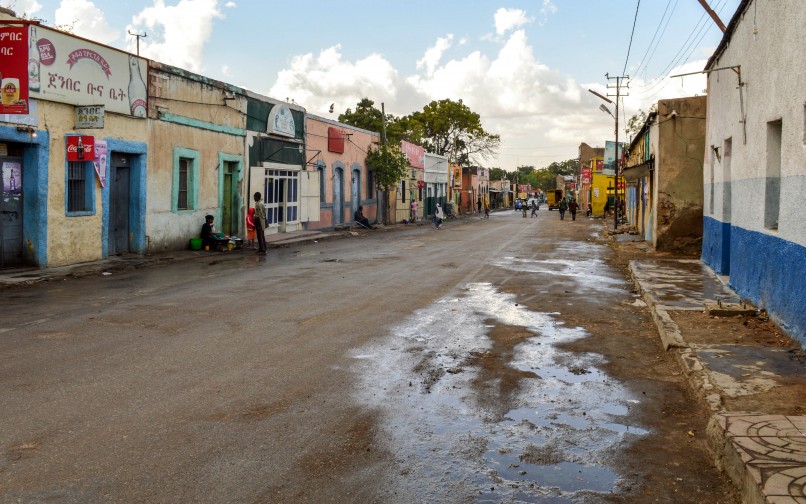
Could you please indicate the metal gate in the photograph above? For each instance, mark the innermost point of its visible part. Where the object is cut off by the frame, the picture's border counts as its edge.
(11, 212)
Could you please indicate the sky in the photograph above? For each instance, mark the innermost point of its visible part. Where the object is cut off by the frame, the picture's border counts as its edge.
(524, 66)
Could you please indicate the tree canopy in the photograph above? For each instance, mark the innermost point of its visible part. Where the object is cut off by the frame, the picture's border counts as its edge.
(367, 116)
(449, 128)
(388, 164)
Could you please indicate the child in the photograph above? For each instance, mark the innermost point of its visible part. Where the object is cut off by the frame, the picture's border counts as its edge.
(250, 228)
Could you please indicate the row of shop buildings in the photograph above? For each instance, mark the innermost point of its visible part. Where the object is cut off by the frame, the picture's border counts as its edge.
(103, 152)
(724, 175)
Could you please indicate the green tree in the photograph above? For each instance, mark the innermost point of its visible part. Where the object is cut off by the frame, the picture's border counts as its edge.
(451, 129)
(636, 122)
(388, 165)
(498, 174)
(567, 167)
(367, 116)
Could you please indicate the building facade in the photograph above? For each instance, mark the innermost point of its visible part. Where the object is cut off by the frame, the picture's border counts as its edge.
(755, 175)
(436, 183)
(338, 152)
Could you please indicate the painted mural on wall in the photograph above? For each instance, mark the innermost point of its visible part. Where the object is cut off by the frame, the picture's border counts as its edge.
(281, 122)
(75, 71)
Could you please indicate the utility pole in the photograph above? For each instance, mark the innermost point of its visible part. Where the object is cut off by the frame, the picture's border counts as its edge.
(381, 202)
(616, 207)
(144, 35)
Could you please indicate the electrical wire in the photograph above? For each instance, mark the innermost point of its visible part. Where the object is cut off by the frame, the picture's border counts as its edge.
(629, 47)
(644, 60)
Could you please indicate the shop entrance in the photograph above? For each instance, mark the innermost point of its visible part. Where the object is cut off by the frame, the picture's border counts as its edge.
(11, 210)
(282, 199)
(119, 195)
(229, 206)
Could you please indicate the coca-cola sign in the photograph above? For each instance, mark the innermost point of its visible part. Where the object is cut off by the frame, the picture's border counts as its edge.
(80, 148)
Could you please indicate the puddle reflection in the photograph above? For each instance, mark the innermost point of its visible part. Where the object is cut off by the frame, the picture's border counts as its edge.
(474, 395)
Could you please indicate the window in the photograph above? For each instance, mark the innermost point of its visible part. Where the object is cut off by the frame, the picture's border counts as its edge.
(403, 190)
(727, 155)
(772, 192)
(322, 181)
(185, 179)
(184, 169)
(79, 187)
(370, 184)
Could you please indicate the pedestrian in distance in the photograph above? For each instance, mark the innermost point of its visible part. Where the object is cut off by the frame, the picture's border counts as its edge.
(573, 207)
(486, 209)
(478, 205)
(260, 224)
(607, 208)
(438, 216)
(589, 211)
(563, 207)
(535, 208)
(413, 211)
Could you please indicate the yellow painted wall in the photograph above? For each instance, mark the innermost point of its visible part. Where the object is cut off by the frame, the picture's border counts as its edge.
(598, 190)
(77, 239)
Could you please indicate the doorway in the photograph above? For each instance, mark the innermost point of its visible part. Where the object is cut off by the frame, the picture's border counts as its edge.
(11, 206)
(282, 199)
(338, 196)
(356, 190)
(119, 195)
(230, 207)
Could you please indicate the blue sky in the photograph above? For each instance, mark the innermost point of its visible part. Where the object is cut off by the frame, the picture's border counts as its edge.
(524, 66)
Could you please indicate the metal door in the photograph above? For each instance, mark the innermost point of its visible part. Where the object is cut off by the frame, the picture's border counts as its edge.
(119, 203)
(356, 191)
(338, 196)
(229, 224)
(11, 212)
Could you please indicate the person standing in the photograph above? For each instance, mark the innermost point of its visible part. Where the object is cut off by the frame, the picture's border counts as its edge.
(250, 229)
(438, 216)
(413, 211)
(486, 208)
(260, 224)
(573, 207)
(563, 207)
(478, 205)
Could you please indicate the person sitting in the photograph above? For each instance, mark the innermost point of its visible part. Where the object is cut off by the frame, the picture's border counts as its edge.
(360, 219)
(207, 233)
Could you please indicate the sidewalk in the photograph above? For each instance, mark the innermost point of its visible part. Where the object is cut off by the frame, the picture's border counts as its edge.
(19, 277)
(751, 375)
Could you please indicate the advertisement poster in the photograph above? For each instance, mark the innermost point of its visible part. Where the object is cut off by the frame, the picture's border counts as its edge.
(79, 72)
(101, 151)
(12, 177)
(414, 153)
(14, 70)
(586, 176)
(610, 157)
(80, 148)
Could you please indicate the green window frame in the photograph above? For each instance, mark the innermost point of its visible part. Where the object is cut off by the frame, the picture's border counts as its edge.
(185, 187)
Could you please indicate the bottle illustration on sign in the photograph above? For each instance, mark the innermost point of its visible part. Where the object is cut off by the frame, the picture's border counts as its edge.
(137, 89)
(12, 182)
(33, 62)
(80, 149)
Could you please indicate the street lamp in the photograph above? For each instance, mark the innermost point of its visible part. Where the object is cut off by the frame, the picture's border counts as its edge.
(618, 158)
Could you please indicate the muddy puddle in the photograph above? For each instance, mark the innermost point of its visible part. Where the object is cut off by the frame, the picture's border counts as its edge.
(479, 405)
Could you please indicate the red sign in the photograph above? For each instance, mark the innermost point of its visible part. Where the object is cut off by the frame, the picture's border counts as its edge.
(335, 140)
(414, 153)
(80, 148)
(420, 184)
(586, 176)
(14, 68)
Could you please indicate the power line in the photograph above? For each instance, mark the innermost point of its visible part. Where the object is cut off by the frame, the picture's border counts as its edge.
(644, 58)
(634, 20)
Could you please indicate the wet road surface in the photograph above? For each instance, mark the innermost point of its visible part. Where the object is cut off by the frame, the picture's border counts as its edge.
(500, 360)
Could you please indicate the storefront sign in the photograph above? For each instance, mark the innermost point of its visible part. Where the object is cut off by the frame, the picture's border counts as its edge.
(80, 148)
(457, 177)
(14, 68)
(101, 155)
(414, 153)
(281, 122)
(76, 71)
(89, 116)
(29, 119)
(586, 176)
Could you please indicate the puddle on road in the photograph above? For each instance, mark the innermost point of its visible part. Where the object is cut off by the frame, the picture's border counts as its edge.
(479, 404)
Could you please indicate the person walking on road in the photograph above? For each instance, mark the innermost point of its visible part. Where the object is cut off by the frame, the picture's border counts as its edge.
(478, 205)
(563, 207)
(260, 224)
(486, 209)
(535, 208)
(573, 207)
(438, 216)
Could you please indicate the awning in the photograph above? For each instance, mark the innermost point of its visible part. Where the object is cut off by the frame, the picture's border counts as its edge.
(639, 171)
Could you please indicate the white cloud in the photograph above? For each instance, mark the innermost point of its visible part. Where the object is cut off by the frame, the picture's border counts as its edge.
(176, 33)
(547, 8)
(225, 71)
(26, 8)
(316, 82)
(434, 54)
(230, 5)
(507, 19)
(85, 20)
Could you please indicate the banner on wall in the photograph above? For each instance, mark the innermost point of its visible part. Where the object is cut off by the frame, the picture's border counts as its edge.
(14, 70)
(414, 153)
(79, 72)
(101, 155)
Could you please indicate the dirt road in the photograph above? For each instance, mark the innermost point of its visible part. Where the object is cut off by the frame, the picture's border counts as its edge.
(500, 360)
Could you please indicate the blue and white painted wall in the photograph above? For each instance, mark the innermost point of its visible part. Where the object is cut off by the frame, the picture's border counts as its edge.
(755, 174)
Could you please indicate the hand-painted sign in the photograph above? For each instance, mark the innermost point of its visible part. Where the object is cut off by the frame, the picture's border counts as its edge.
(79, 72)
(80, 148)
(89, 116)
(14, 68)
(281, 122)
(414, 153)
